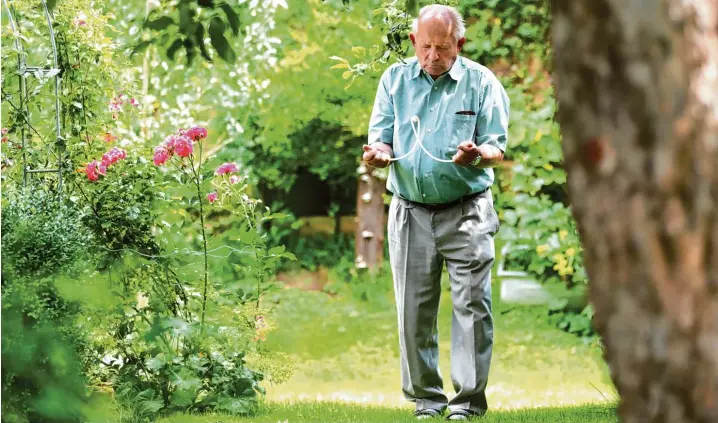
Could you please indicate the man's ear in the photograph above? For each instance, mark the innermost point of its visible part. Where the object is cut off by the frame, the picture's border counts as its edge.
(412, 37)
(462, 41)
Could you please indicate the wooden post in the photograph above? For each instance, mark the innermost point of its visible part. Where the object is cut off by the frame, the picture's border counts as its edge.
(369, 238)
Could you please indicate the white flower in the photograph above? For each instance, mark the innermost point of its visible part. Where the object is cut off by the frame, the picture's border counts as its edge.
(142, 300)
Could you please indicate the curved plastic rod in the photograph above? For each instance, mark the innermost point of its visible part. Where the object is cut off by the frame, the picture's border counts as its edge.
(416, 127)
(58, 131)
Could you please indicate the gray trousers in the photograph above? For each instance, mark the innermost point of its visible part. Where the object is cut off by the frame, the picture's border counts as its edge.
(420, 241)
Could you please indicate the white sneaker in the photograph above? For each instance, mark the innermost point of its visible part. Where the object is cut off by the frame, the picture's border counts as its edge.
(428, 413)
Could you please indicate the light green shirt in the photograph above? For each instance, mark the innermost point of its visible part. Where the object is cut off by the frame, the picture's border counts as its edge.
(405, 90)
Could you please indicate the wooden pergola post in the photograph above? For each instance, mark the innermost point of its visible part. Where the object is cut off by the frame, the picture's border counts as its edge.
(369, 238)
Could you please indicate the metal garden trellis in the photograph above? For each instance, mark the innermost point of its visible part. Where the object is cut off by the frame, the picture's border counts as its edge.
(23, 71)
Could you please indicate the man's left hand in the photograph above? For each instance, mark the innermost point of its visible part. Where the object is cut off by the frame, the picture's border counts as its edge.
(467, 152)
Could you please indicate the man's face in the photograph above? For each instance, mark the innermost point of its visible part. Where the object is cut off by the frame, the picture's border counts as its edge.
(435, 45)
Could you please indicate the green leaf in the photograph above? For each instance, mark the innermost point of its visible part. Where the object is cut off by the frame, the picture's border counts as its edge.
(51, 4)
(159, 24)
(232, 17)
(199, 38)
(190, 51)
(151, 407)
(186, 380)
(558, 304)
(142, 46)
(183, 398)
(248, 237)
(186, 17)
(180, 327)
(340, 59)
(172, 50)
(276, 250)
(219, 42)
(233, 405)
(157, 362)
(359, 51)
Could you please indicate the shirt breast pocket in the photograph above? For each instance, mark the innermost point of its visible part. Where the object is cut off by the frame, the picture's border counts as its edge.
(459, 128)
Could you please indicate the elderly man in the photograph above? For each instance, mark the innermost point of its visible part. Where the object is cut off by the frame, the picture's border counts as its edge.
(441, 212)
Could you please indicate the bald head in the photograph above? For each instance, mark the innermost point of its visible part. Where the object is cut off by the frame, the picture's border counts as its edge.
(438, 35)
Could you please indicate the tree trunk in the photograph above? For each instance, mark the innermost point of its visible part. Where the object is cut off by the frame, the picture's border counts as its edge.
(369, 239)
(637, 85)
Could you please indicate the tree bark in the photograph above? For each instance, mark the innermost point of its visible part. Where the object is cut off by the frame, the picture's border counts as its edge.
(637, 85)
(369, 238)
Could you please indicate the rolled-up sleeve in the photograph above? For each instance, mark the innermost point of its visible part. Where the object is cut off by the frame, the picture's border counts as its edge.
(493, 119)
(381, 124)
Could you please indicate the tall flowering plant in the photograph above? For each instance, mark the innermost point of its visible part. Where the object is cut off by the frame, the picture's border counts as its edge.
(179, 150)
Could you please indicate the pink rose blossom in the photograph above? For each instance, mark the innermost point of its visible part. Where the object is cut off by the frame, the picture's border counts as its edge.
(161, 156)
(197, 133)
(134, 102)
(226, 168)
(113, 156)
(233, 179)
(183, 146)
(212, 197)
(91, 171)
(170, 142)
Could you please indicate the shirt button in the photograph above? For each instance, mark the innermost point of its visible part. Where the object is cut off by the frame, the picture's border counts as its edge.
(424, 195)
(432, 109)
(426, 175)
(428, 130)
(436, 88)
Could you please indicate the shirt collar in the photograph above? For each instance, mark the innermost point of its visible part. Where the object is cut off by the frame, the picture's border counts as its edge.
(456, 72)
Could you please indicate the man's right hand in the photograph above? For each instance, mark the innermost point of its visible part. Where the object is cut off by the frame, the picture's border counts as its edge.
(377, 156)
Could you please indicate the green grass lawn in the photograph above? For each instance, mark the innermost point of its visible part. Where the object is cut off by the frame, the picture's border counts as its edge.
(351, 413)
(347, 364)
(347, 350)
